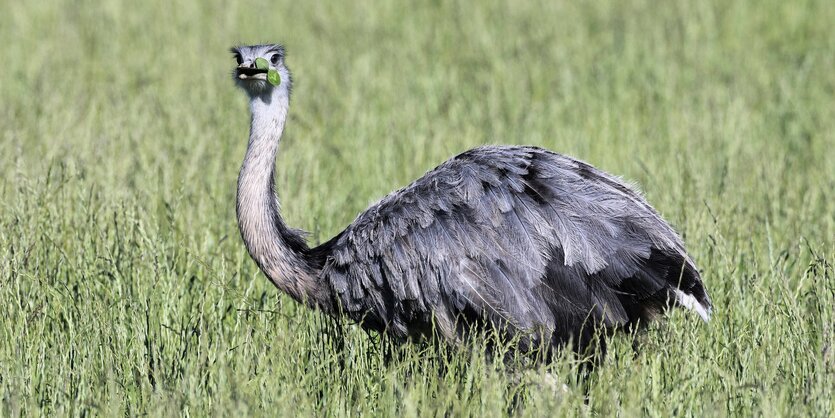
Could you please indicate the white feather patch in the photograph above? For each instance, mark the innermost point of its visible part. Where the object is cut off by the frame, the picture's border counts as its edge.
(689, 302)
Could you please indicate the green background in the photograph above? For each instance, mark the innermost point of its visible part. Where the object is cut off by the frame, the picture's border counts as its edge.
(125, 288)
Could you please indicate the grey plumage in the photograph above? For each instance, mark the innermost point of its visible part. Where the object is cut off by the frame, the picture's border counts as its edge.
(542, 246)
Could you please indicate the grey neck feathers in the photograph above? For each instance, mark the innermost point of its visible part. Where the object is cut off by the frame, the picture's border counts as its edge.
(279, 251)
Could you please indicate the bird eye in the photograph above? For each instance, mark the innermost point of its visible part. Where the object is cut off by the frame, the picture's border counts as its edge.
(274, 59)
(239, 59)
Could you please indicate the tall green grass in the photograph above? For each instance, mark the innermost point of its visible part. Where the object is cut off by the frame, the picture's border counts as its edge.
(125, 289)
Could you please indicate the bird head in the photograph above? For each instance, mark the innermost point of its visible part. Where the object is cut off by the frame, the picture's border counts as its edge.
(261, 69)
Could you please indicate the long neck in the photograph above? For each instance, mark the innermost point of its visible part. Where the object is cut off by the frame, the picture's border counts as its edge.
(279, 251)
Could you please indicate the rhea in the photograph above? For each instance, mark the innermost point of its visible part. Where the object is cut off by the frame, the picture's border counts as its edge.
(543, 247)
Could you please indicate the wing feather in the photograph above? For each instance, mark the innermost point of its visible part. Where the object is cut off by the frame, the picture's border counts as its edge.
(513, 236)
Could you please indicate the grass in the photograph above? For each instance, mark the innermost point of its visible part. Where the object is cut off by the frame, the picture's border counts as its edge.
(125, 288)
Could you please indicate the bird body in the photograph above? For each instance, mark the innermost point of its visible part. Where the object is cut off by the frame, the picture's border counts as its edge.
(539, 245)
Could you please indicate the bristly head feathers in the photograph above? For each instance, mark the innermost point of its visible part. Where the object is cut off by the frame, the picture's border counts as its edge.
(253, 79)
(262, 49)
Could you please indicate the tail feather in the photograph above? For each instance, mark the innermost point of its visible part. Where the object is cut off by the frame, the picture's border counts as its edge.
(691, 292)
(690, 302)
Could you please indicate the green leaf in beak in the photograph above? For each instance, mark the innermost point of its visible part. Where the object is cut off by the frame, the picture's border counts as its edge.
(261, 64)
(273, 77)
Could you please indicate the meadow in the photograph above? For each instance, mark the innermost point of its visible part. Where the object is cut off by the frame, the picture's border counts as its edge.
(125, 288)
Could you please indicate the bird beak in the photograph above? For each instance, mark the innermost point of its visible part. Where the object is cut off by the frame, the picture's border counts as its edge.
(249, 72)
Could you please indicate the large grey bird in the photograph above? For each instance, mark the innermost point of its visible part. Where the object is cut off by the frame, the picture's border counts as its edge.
(543, 247)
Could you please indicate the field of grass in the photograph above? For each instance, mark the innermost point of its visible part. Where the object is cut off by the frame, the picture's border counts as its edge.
(125, 288)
